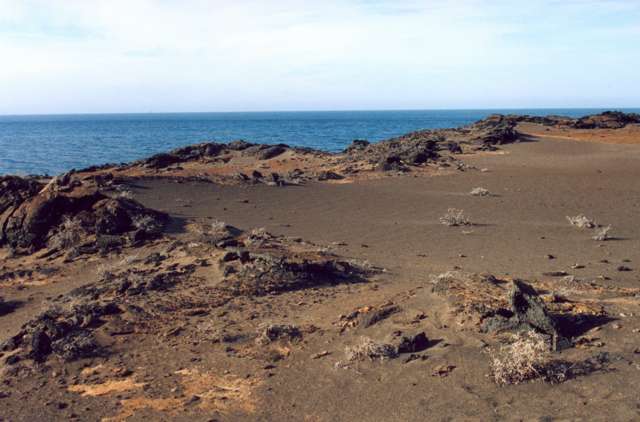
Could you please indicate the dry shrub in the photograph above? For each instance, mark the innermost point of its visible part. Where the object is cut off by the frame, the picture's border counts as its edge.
(479, 192)
(218, 226)
(258, 237)
(602, 234)
(146, 223)
(455, 217)
(522, 360)
(215, 228)
(369, 349)
(582, 222)
(125, 194)
(69, 234)
(269, 333)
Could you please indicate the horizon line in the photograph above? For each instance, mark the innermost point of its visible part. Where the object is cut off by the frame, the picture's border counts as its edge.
(608, 108)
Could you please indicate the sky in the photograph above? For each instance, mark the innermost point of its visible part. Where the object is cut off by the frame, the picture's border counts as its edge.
(108, 56)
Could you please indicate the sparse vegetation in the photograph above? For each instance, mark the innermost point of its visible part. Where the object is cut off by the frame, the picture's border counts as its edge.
(125, 194)
(522, 360)
(271, 332)
(257, 237)
(218, 226)
(455, 217)
(369, 349)
(582, 222)
(602, 234)
(68, 235)
(479, 192)
(146, 223)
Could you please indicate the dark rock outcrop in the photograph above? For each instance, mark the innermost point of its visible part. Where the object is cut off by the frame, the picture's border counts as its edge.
(272, 151)
(260, 264)
(329, 175)
(494, 130)
(607, 120)
(528, 309)
(411, 343)
(15, 190)
(395, 154)
(263, 274)
(212, 150)
(69, 328)
(188, 153)
(526, 312)
(68, 212)
(62, 331)
(431, 146)
(357, 145)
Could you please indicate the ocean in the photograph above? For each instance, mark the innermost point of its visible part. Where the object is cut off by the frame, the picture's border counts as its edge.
(52, 144)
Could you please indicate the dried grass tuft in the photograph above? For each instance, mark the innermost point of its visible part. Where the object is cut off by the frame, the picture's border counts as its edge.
(582, 222)
(455, 217)
(522, 360)
(479, 192)
(369, 349)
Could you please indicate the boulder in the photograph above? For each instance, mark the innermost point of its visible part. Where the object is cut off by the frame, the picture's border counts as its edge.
(391, 163)
(526, 312)
(75, 213)
(357, 145)
(272, 151)
(529, 310)
(411, 343)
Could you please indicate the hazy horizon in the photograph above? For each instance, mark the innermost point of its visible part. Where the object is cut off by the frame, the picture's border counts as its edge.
(497, 109)
(160, 56)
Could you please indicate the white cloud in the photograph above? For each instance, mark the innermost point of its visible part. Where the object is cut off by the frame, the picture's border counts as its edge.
(163, 55)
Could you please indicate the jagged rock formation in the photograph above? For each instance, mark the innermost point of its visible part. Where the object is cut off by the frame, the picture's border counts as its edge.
(68, 213)
(241, 162)
(605, 120)
(484, 302)
(154, 291)
(418, 148)
(212, 150)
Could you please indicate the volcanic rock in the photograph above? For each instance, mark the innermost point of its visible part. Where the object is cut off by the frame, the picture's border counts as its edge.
(607, 120)
(65, 214)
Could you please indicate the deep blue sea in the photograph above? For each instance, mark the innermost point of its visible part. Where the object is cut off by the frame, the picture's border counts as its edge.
(54, 144)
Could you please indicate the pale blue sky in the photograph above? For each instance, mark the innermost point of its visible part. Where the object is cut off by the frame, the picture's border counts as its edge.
(75, 56)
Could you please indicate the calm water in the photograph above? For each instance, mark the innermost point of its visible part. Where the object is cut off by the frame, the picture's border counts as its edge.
(54, 144)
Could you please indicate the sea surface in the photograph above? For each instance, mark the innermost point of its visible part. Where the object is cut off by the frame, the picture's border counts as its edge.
(52, 144)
